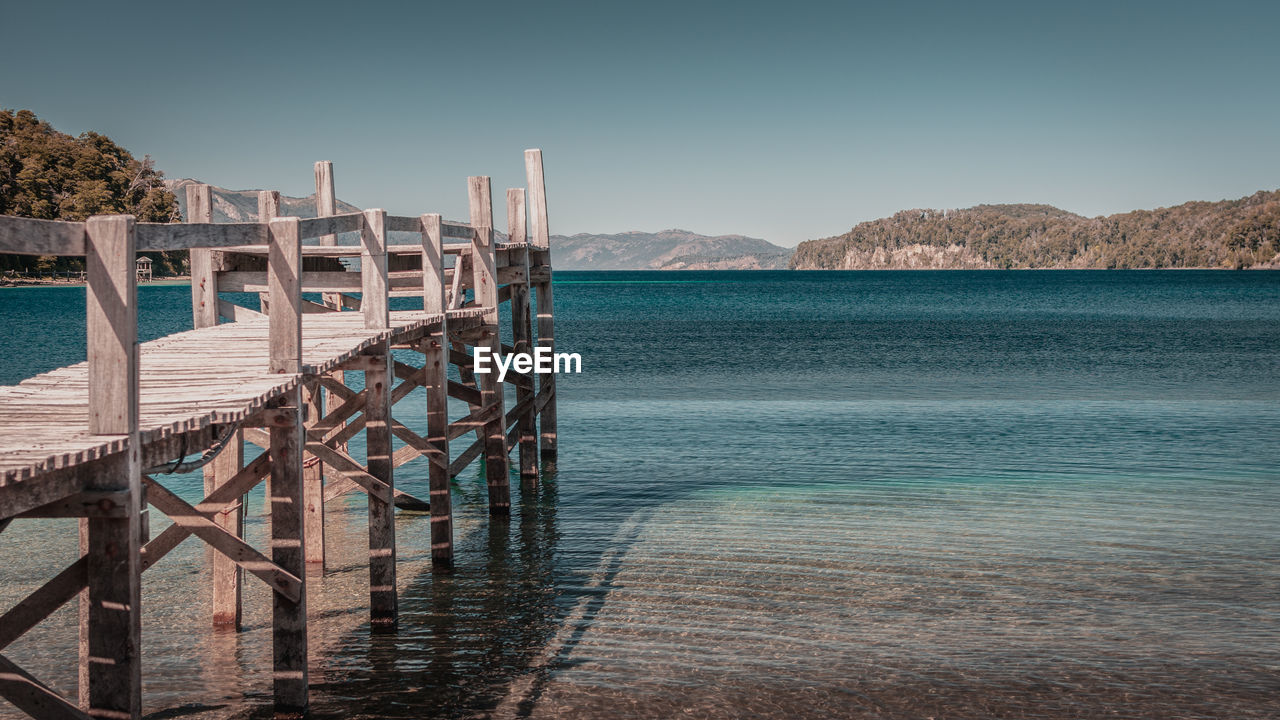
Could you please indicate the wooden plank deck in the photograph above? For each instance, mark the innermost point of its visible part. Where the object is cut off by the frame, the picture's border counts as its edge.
(190, 380)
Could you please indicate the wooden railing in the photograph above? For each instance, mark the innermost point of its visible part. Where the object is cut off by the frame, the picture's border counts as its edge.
(110, 244)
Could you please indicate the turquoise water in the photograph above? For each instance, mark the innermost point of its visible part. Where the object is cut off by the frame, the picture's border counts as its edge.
(783, 494)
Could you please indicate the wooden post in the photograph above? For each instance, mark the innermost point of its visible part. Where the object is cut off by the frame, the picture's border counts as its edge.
(546, 308)
(373, 271)
(268, 205)
(382, 515)
(485, 283)
(435, 353)
(313, 410)
(326, 205)
(313, 482)
(522, 334)
(227, 576)
(113, 637)
(204, 283)
(288, 535)
(284, 282)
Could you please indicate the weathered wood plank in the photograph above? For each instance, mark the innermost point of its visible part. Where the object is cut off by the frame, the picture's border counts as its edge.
(522, 334)
(484, 282)
(436, 381)
(112, 321)
(34, 697)
(227, 574)
(204, 283)
(326, 205)
(27, 236)
(90, 503)
(232, 547)
(285, 262)
(465, 393)
(313, 477)
(383, 603)
(111, 628)
(321, 281)
(536, 180)
(199, 236)
(43, 602)
(321, 227)
(373, 271)
(228, 492)
(344, 465)
(289, 618)
(268, 210)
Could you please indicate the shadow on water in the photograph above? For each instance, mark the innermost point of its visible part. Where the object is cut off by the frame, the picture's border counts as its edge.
(478, 640)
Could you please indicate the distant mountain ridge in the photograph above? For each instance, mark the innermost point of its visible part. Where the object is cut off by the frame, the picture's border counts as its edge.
(1229, 234)
(242, 205)
(666, 250)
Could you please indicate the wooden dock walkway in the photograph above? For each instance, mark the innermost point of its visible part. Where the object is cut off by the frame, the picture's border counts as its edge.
(94, 440)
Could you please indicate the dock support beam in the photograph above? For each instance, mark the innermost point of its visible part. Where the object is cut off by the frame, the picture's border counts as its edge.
(383, 604)
(546, 307)
(313, 482)
(288, 533)
(522, 335)
(112, 637)
(227, 575)
(436, 366)
(485, 284)
(287, 439)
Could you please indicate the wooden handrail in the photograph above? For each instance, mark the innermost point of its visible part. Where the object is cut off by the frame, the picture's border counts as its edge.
(330, 225)
(338, 251)
(401, 223)
(27, 236)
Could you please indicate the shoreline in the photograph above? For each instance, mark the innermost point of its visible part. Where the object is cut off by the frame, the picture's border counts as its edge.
(13, 283)
(36, 282)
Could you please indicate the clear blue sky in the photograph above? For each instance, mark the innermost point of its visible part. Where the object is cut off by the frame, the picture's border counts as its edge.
(785, 121)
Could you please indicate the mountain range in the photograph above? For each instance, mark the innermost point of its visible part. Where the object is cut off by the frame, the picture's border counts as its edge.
(665, 250)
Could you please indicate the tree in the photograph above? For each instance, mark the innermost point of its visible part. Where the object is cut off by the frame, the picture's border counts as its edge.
(50, 175)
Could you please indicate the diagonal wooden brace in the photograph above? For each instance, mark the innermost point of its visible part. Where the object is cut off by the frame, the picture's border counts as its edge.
(228, 492)
(43, 602)
(344, 465)
(32, 696)
(240, 552)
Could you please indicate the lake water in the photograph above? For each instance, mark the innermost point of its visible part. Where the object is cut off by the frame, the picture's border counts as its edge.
(785, 494)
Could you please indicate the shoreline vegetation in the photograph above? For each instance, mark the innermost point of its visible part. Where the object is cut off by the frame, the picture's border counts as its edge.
(1229, 234)
(21, 282)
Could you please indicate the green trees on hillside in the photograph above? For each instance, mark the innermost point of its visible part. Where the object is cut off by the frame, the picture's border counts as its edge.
(50, 175)
(1232, 233)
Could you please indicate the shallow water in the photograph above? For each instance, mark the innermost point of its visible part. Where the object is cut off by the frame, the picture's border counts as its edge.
(900, 494)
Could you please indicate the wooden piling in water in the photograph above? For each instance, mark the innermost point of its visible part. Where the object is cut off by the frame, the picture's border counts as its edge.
(114, 621)
(522, 332)
(548, 440)
(436, 381)
(485, 284)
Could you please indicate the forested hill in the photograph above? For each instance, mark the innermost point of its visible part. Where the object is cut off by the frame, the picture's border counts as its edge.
(50, 175)
(1230, 233)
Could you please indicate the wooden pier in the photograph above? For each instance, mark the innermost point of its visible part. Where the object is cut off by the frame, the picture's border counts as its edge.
(94, 440)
